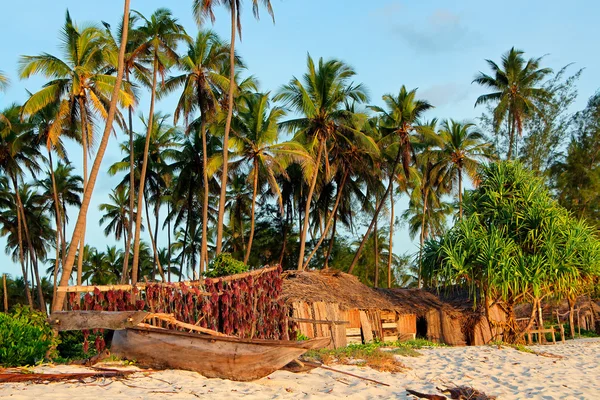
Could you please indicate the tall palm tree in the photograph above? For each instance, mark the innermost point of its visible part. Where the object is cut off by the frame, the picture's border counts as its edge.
(87, 196)
(398, 123)
(204, 9)
(256, 143)
(463, 150)
(514, 92)
(78, 85)
(161, 35)
(203, 84)
(19, 153)
(321, 98)
(134, 68)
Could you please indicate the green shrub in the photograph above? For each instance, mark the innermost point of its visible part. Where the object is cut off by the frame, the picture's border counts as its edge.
(224, 264)
(25, 337)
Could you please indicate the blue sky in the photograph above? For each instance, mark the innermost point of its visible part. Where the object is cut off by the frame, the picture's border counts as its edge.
(437, 46)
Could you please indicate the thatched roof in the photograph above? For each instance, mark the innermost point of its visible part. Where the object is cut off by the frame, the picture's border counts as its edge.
(346, 290)
(333, 286)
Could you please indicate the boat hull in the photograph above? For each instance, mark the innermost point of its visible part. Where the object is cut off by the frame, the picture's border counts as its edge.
(211, 356)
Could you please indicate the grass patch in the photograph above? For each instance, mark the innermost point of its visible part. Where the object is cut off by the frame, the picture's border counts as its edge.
(377, 355)
(518, 347)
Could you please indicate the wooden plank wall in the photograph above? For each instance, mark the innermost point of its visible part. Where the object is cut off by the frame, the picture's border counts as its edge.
(363, 326)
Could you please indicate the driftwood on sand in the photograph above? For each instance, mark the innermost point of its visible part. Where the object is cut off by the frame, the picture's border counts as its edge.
(26, 377)
(458, 392)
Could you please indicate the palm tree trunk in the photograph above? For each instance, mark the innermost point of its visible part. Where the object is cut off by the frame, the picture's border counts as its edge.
(138, 220)
(21, 254)
(330, 219)
(254, 193)
(59, 238)
(425, 198)
(169, 244)
(84, 142)
(185, 235)
(227, 129)
(153, 243)
(87, 195)
(571, 318)
(204, 245)
(390, 250)
(307, 207)
(331, 240)
(511, 135)
(376, 248)
(379, 207)
(32, 254)
(460, 208)
(131, 195)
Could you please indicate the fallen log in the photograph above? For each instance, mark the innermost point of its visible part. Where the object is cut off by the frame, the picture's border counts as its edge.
(79, 320)
(16, 377)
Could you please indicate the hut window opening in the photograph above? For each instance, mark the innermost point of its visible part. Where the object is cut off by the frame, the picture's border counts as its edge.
(422, 327)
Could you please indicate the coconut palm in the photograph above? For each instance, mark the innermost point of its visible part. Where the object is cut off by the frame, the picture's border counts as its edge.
(112, 110)
(514, 92)
(399, 123)
(204, 9)
(78, 86)
(463, 150)
(116, 214)
(3, 81)
(258, 151)
(134, 68)
(203, 83)
(19, 153)
(321, 99)
(61, 188)
(161, 35)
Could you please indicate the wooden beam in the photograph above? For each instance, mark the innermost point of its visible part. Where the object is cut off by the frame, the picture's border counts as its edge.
(319, 321)
(79, 320)
(168, 318)
(142, 285)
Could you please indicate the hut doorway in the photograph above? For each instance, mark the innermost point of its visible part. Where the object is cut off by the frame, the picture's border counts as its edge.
(422, 327)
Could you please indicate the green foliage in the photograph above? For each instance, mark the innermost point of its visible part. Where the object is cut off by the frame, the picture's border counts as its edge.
(71, 346)
(366, 351)
(25, 337)
(223, 265)
(518, 347)
(515, 241)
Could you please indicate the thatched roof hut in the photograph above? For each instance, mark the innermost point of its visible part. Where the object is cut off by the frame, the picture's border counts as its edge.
(333, 303)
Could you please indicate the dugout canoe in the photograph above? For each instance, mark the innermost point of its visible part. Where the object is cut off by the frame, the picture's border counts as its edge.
(222, 357)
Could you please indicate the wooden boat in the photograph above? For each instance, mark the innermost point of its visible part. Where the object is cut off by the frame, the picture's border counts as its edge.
(212, 356)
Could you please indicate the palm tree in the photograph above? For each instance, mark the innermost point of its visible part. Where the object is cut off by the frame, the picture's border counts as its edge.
(204, 9)
(398, 123)
(256, 143)
(133, 68)
(87, 196)
(463, 150)
(18, 153)
(321, 99)
(202, 84)
(514, 92)
(161, 35)
(61, 188)
(78, 86)
(116, 214)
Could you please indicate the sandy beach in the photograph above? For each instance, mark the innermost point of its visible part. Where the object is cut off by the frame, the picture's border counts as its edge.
(567, 371)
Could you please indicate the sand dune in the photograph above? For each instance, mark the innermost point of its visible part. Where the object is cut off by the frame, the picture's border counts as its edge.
(506, 373)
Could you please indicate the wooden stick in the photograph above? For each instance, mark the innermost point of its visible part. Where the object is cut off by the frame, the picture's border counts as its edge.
(5, 293)
(171, 320)
(142, 285)
(317, 365)
(61, 377)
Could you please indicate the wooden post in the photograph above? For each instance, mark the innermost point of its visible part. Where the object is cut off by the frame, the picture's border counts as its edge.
(562, 332)
(5, 293)
(578, 323)
(541, 336)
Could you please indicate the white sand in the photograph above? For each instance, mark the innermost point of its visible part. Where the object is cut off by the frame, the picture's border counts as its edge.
(506, 373)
